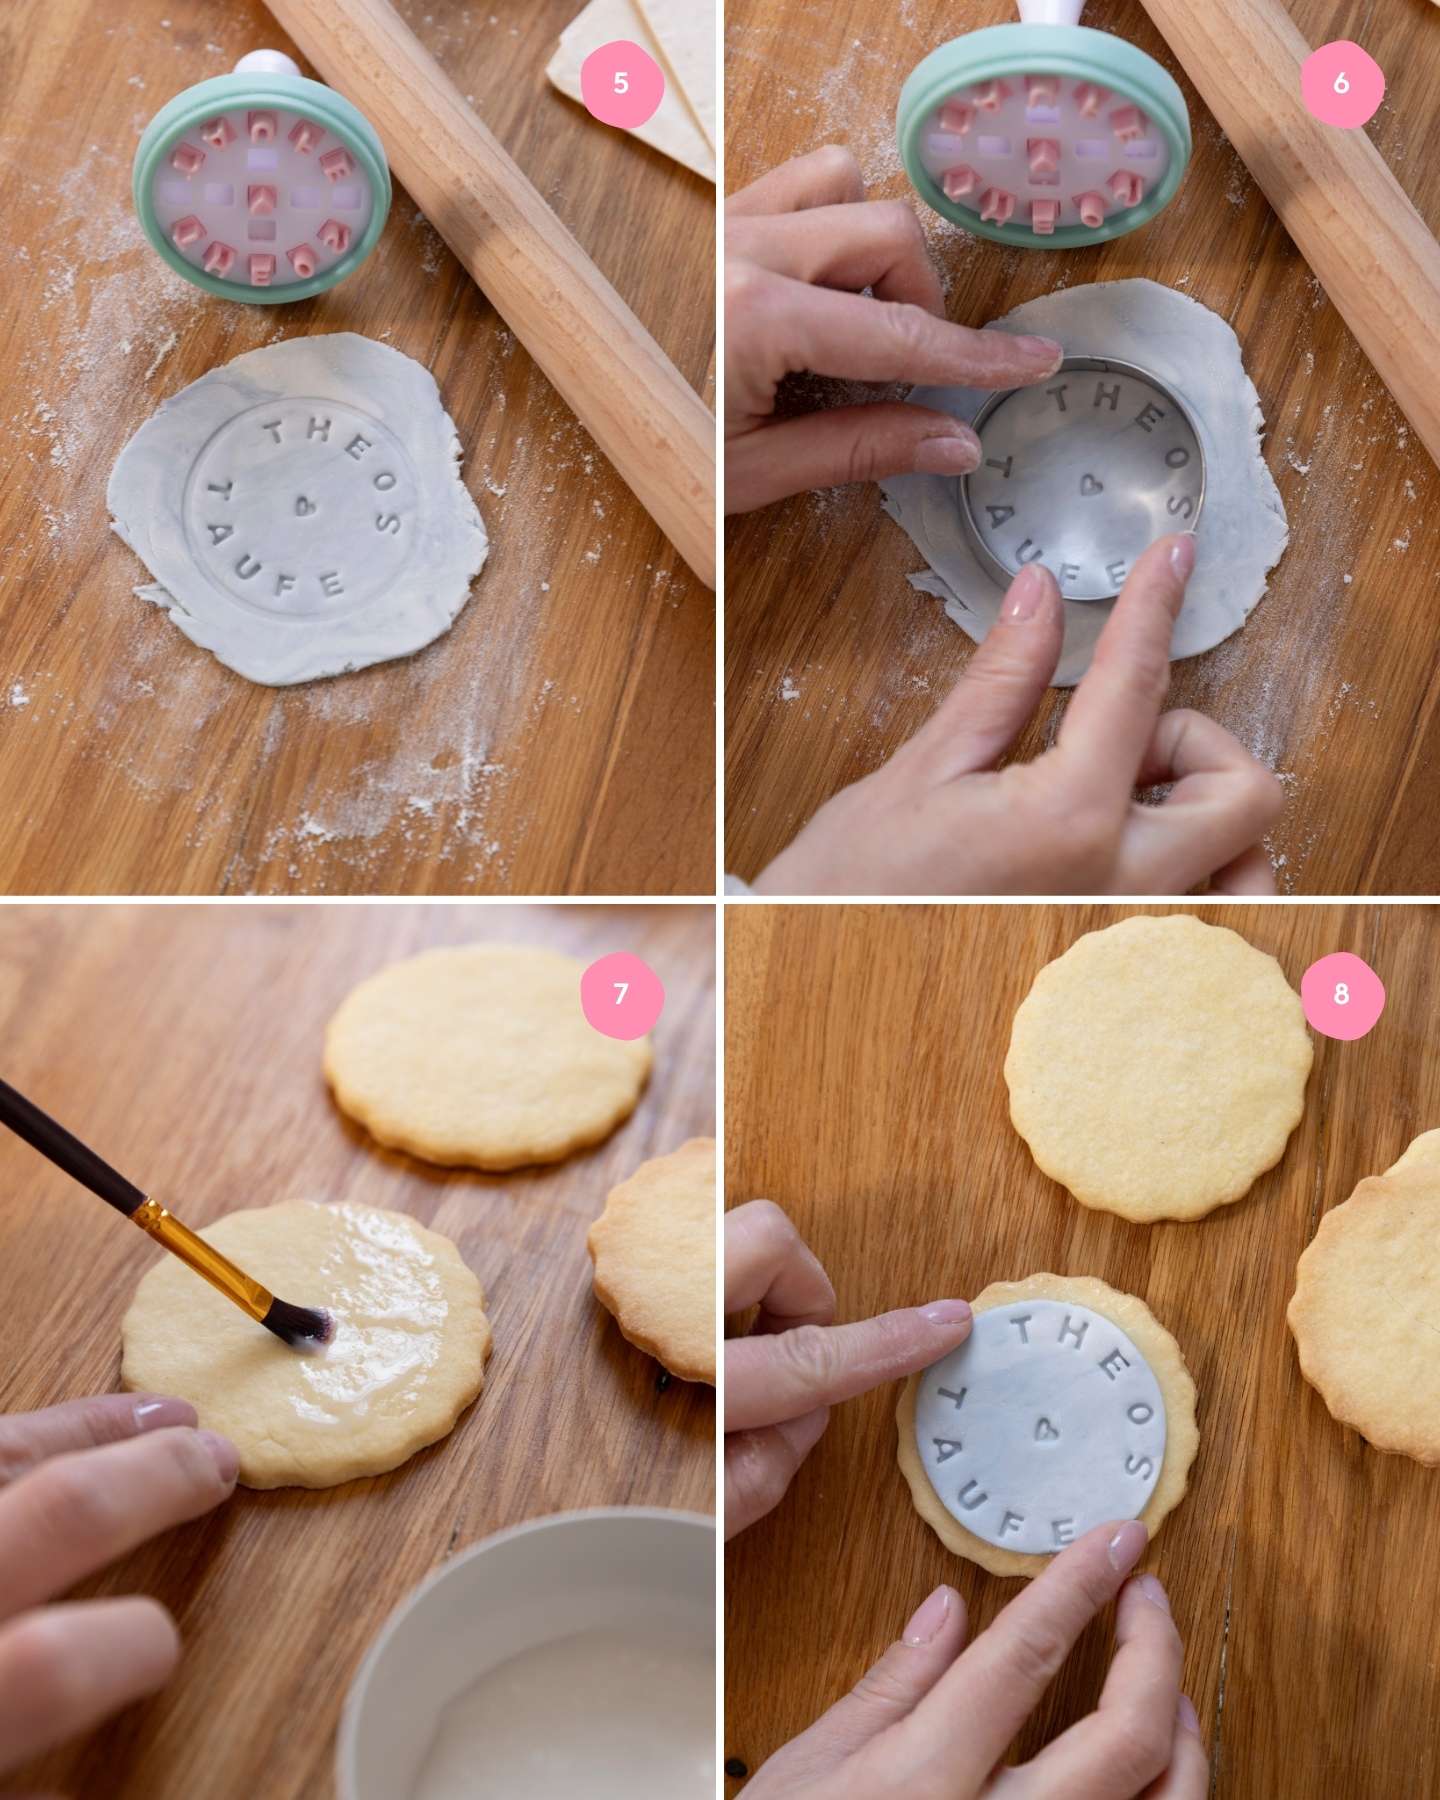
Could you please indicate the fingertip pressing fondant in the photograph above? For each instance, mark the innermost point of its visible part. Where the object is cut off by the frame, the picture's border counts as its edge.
(1047, 1421)
(1193, 353)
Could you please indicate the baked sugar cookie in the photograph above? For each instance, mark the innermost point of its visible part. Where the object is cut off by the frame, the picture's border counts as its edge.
(653, 1249)
(407, 1358)
(1424, 1149)
(1068, 1405)
(1367, 1294)
(481, 1056)
(1158, 1067)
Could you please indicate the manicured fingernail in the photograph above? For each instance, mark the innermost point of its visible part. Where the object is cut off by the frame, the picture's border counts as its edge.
(956, 453)
(1044, 350)
(1185, 1713)
(929, 1617)
(1026, 595)
(227, 1457)
(155, 1415)
(946, 1312)
(1153, 1592)
(1128, 1546)
(1182, 555)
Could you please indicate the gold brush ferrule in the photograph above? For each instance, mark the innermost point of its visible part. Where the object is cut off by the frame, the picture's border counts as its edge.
(196, 1254)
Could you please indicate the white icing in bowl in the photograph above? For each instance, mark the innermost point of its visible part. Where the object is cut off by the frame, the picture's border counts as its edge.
(639, 1724)
(522, 1607)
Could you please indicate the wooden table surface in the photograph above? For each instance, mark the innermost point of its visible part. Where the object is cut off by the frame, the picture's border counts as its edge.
(864, 1094)
(559, 739)
(184, 1042)
(833, 661)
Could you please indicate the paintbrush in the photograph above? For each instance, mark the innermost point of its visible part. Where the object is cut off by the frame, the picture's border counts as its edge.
(301, 1327)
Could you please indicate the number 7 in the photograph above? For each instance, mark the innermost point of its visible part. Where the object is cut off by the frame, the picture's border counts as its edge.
(624, 987)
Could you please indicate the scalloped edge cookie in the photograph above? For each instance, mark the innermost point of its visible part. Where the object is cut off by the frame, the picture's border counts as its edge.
(1157, 1067)
(180, 1337)
(653, 1249)
(1167, 1364)
(479, 1056)
(1367, 1287)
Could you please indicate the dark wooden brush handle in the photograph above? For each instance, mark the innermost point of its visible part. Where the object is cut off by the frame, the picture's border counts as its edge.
(42, 1133)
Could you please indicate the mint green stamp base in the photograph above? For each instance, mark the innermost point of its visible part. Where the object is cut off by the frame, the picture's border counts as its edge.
(331, 112)
(1075, 53)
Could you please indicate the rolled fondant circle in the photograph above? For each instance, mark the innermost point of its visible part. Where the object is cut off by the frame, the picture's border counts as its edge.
(1132, 1320)
(1045, 1422)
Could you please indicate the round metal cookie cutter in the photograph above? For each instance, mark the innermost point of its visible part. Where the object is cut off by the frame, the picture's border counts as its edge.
(1082, 472)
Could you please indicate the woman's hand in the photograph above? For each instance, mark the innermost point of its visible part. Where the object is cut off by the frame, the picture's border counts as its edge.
(781, 1380)
(932, 1719)
(940, 818)
(80, 1485)
(800, 245)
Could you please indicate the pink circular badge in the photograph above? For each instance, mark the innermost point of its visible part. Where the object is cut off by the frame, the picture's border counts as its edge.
(621, 85)
(1341, 85)
(1342, 996)
(621, 996)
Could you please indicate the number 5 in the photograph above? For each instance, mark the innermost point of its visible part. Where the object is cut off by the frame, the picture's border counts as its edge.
(622, 82)
(624, 989)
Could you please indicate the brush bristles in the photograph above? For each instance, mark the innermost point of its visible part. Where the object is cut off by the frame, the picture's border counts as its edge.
(301, 1327)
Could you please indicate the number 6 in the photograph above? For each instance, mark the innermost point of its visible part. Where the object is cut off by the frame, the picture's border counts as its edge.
(622, 82)
(1342, 84)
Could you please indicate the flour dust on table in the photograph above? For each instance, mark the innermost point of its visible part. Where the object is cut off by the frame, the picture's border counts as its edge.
(1241, 528)
(301, 509)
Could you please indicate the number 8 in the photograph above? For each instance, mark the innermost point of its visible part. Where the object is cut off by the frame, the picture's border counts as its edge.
(1342, 994)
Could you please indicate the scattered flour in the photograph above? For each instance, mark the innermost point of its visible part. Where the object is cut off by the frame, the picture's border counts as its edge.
(162, 350)
(434, 748)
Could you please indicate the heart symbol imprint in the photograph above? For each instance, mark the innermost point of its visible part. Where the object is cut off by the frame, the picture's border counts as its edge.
(1089, 485)
(1045, 1432)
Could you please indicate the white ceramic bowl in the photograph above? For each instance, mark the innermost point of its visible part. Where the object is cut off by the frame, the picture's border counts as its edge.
(545, 1579)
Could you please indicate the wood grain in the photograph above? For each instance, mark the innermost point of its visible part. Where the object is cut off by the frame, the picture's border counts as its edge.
(640, 410)
(184, 1042)
(1334, 680)
(864, 1094)
(1345, 211)
(559, 739)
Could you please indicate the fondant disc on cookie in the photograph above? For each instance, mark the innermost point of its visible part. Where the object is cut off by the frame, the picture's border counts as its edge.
(1045, 1422)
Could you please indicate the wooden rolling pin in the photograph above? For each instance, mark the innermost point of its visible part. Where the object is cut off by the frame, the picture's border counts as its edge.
(622, 387)
(1348, 215)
